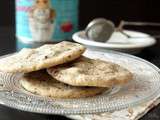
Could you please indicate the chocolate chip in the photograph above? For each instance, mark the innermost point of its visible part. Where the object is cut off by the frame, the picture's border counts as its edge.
(45, 57)
(69, 56)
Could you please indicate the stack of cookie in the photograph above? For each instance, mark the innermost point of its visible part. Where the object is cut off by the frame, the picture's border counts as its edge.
(61, 71)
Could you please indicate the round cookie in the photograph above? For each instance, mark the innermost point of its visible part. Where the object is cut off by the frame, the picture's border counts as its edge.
(28, 60)
(41, 83)
(90, 72)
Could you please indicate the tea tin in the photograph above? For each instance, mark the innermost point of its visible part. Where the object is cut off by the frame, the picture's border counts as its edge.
(42, 21)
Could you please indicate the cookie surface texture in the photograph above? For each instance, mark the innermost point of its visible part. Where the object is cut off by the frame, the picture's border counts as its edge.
(28, 60)
(41, 83)
(90, 72)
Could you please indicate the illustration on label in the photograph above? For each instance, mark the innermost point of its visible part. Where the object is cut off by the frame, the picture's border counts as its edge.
(41, 18)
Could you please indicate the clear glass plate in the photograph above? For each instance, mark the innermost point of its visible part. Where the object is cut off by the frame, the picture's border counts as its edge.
(144, 87)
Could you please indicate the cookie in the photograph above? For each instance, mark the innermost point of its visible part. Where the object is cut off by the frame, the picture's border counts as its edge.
(41, 83)
(90, 72)
(28, 60)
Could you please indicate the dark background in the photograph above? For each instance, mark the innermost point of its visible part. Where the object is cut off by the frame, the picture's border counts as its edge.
(115, 10)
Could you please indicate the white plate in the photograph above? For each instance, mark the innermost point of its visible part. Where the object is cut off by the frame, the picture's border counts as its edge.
(118, 41)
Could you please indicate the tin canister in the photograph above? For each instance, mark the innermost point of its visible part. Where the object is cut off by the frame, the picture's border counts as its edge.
(43, 21)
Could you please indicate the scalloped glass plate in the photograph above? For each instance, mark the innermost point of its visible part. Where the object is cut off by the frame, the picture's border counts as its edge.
(144, 87)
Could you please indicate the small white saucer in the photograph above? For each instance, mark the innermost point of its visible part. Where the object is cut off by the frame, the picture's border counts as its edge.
(118, 41)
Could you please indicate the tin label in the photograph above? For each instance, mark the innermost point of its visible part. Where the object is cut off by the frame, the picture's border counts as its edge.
(46, 20)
